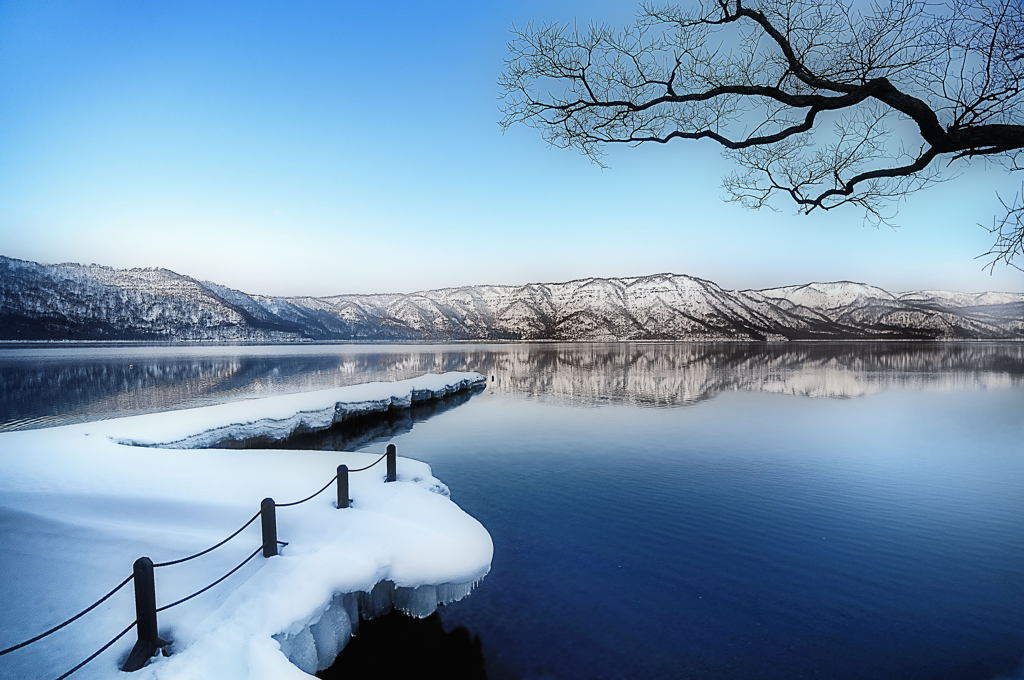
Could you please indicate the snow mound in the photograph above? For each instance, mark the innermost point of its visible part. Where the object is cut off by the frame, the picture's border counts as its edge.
(80, 493)
(281, 416)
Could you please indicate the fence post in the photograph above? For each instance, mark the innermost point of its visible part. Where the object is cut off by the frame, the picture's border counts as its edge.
(343, 486)
(145, 616)
(268, 520)
(392, 464)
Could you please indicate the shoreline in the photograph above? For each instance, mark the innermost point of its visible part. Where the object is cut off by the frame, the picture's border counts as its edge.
(15, 344)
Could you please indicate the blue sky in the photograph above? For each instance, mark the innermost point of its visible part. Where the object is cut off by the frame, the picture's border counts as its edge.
(327, 147)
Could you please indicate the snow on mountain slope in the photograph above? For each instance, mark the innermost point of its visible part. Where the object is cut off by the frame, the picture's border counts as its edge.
(953, 299)
(828, 295)
(92, 302)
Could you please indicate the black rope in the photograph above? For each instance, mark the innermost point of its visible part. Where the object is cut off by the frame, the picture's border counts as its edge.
(370, 465)
(74, 618)
(211, 548)
(311, 496)
(99, 651)
(328, 484)
(203, 590)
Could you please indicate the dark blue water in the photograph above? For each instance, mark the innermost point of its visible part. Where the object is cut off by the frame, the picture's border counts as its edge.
(687, 511)
(750, 536)
(754, 536)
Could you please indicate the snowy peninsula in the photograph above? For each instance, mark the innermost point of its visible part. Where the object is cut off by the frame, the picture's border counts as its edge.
(80, 503)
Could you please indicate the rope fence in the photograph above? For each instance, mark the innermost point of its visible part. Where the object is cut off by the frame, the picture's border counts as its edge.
(211, 548)
(98, 651)
(149, 642)
(74, 618)
(205, 588)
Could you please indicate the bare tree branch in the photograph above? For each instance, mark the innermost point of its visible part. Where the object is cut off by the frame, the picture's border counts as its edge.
(765, 79)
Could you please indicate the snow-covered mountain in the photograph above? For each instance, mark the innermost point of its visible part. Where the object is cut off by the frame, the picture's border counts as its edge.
(72, 301)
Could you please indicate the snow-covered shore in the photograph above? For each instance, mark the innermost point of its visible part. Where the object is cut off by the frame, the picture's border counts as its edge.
(78, 504)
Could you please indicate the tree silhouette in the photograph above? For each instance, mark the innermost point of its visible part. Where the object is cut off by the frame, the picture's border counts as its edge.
(821, 103)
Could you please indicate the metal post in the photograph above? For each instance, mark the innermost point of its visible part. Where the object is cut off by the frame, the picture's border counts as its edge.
(343, 498)
(148, 642)
(268, 519)
(392, 464)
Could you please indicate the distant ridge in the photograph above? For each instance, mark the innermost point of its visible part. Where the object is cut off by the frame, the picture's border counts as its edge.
(93, 302)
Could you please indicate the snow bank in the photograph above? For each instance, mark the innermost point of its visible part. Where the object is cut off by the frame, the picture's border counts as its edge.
(281, 416)
(78, 506)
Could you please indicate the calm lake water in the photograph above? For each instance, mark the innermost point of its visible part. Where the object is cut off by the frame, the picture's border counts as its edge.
(846, 510)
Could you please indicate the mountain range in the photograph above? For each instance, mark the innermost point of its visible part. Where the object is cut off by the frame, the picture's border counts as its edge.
(94, 302)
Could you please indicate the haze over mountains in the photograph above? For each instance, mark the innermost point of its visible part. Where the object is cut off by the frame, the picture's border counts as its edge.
(92, 302)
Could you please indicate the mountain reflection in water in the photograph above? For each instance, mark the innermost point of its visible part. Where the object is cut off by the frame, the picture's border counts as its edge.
(49, 385)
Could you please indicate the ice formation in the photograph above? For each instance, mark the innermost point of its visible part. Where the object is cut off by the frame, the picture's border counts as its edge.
(78, 504)
(313, 644)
